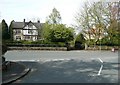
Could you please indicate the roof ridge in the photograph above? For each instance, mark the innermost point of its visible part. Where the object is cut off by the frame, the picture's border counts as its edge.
(23, 24)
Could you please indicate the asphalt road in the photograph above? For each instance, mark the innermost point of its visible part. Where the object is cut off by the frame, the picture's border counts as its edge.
(67, 66)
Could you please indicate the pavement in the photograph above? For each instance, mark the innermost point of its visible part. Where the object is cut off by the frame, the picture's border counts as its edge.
(14, 72)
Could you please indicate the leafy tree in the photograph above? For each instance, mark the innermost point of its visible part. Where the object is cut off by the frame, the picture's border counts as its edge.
(54, 17)
(56, 32)
(52, 20)
(61, 34)
(4, 49)
(113, 30)
(5, 32)
(11, 30)
(46, 31)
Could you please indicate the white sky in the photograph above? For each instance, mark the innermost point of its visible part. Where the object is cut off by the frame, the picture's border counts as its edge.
(19, 9)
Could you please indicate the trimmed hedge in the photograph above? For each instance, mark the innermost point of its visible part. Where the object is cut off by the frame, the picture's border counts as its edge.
(36, 43)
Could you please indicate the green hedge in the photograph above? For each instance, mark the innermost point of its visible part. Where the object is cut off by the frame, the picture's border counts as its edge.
(40, 43)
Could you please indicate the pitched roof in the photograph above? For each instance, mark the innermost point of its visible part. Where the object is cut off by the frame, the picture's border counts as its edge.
(21, 25)
(18, 24)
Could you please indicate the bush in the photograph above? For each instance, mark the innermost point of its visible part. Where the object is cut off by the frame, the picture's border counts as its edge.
(4, 49)
(60, 44)
(36, 42)
(61, 33)
(109, 42)
(80, 41)
(79, 45)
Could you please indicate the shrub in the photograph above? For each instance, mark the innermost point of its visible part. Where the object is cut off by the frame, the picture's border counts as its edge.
(80, 41)
(4, 49)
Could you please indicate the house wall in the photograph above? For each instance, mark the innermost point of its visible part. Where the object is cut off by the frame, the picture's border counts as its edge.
(30, 32)
(30, 38)
(17, 34)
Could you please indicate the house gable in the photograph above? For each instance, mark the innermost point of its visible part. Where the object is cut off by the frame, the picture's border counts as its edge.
(30, 26)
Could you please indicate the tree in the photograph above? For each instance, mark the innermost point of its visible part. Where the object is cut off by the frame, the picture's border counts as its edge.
(52, 20)
(54, 17)
(46, 31)
(96, 20)
(5, 32)
(11, 30)
(54, 31)
(61, 34)
(113, 31)
(4, 49)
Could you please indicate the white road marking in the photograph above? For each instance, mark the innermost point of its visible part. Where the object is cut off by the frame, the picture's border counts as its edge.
(100, 60)
(42, 60)
(100, 70)
(57, 59)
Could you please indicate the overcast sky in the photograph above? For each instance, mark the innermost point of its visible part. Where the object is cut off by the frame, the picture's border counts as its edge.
(28, 9)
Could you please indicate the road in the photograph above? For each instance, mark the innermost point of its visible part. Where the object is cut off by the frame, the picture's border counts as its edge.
(67, 66)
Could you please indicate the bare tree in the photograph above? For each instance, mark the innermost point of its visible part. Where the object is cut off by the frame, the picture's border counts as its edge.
(95, 19)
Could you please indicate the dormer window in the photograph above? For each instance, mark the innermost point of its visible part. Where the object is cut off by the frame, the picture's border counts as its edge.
(30, 32)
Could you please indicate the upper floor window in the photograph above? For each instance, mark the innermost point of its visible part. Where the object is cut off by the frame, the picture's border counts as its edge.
(30, 31)
(17, 31)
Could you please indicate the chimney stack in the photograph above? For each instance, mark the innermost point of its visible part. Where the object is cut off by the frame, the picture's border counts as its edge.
(38, 21)
(24, 20)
